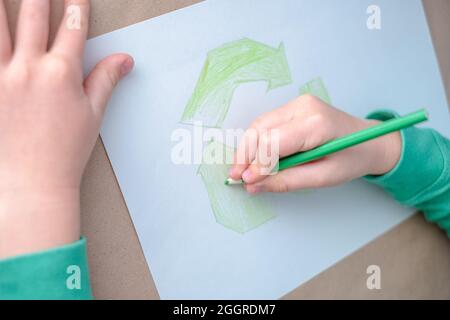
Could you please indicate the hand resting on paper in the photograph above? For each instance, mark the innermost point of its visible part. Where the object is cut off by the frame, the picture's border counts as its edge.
(49, 120)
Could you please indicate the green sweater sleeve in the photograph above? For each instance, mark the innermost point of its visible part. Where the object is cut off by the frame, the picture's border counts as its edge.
(421, 179)
(57, 274)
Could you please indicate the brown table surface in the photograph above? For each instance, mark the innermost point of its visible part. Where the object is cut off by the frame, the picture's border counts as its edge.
(414, 257)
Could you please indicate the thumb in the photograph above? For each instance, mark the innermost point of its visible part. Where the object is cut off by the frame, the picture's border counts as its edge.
(105, 76)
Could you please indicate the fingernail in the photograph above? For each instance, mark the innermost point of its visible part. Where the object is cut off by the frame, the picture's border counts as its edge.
(127, 66)
(247, 175)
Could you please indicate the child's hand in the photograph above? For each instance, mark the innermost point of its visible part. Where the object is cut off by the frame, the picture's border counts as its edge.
(49, 122)
(304, 124)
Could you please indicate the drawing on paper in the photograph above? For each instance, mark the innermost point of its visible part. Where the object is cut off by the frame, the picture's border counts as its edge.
(316, 87)
(225, 69)
(233, 208)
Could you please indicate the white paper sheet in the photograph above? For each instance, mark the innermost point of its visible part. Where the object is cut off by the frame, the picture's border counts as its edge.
(191, 255)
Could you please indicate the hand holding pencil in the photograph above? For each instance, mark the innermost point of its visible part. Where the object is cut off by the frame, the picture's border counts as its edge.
(321, 146)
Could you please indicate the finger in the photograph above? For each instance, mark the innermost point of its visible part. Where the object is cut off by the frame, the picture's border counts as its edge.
(101, 82)
(308, 176)
(5, 37)
(246, 151)
(267, 157)
(294, 108)
(33, 27)
(298, 135)
(71, 38)
(276, 117)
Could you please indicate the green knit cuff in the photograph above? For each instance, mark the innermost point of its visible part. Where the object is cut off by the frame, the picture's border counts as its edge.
(57, 274)
(420, 167)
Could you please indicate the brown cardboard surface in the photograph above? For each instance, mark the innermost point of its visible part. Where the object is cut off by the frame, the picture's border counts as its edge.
(414, 257)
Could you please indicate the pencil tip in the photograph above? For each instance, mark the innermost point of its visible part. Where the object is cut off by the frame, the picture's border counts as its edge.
(231, 182)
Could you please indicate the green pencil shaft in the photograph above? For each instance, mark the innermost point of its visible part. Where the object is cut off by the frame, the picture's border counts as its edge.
(353, 139)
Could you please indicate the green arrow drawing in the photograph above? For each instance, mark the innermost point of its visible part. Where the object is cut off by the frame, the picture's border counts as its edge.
(317, 88)
(225, 69)
(233, 208)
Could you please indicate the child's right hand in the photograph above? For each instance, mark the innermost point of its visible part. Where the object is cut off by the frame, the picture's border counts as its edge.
(305, 124)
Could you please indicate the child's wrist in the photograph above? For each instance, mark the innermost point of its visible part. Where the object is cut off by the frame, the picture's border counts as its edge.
(385, 153)
(37, 220)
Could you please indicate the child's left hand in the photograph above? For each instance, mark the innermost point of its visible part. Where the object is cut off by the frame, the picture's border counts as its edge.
(49, 120)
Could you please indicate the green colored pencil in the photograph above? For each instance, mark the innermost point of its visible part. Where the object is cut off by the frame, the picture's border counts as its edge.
(349, 141)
